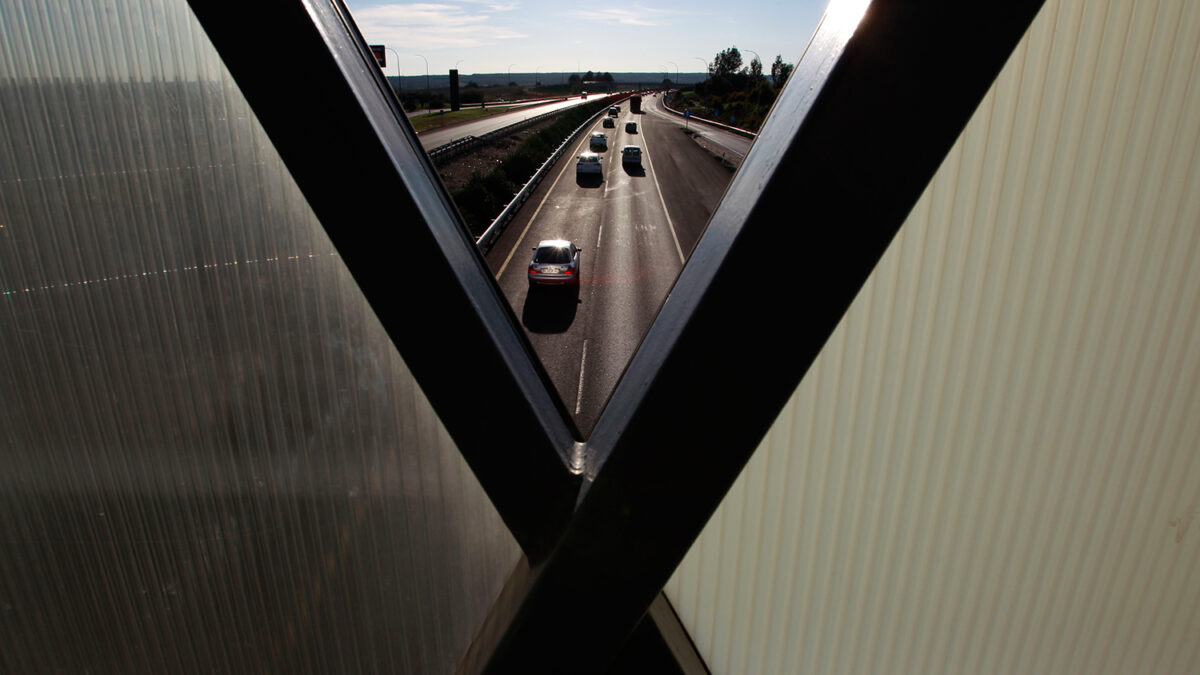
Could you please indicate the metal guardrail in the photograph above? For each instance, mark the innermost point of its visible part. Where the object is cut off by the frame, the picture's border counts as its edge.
(726, 127)
(501, 221)
(459, 146)
(452, 150)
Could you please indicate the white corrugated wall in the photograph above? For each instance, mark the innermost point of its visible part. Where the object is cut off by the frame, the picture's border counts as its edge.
(994, 465)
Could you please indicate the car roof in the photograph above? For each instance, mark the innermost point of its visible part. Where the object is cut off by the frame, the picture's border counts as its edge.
(631, 147)
(588, 155)
(597, 134)
(554, 243)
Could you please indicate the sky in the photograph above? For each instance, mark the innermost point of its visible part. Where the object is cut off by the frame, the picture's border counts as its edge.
(545, 36)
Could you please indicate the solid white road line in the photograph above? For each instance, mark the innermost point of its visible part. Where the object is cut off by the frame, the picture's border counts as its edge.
(658, 188)
(579, 391)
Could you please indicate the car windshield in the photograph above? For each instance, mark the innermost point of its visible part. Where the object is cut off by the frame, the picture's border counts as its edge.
(552, 255)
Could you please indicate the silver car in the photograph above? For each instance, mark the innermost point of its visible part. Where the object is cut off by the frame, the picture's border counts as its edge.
(555, 261)
(631, 154)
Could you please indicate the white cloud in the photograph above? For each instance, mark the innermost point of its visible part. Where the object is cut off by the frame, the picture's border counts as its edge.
(636, 15)
(434, 25)
(624, 17)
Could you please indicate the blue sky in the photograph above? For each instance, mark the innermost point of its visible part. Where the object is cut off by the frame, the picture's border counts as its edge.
(526, 36)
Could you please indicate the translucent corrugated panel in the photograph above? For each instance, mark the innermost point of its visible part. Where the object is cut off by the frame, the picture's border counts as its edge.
(994, 464)
(212, 459)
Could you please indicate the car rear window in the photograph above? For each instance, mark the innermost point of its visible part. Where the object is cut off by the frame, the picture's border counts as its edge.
(553, 255)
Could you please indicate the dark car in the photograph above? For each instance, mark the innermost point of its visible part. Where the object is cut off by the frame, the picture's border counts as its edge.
(631, 127)
(555, 261)
(609, 123)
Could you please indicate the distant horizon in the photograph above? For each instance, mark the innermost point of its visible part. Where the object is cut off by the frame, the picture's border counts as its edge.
(442, 80)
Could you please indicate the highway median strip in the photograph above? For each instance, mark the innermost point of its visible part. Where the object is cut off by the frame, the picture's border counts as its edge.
(487, 194)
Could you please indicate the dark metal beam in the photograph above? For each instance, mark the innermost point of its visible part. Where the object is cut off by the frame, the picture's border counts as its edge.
(353, 154)
(849, 148)
(660, 644)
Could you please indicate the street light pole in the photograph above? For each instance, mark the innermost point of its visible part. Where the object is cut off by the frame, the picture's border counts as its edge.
(676, 71)
(399, 84)
(756, 56)
(757, 89)
(705, 65)
(510, 73)
(428, 91)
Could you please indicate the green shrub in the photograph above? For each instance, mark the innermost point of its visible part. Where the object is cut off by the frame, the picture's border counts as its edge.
(485, 196)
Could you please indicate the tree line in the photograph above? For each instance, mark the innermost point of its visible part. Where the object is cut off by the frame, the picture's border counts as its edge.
(575, 79)
(738, 93)
(727, 65)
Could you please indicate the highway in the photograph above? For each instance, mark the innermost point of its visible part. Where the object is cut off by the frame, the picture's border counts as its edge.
(719, 141)
(434, 138)
(636, 228)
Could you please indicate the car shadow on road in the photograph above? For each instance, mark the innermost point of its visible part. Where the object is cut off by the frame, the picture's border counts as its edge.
(634, 169)
(589, 180)
(550, 309)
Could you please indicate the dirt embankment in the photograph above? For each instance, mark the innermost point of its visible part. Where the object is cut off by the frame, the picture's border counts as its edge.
(483, 159)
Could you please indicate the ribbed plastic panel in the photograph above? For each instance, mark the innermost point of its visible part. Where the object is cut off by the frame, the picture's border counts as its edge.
(994, 464)
(212, 458)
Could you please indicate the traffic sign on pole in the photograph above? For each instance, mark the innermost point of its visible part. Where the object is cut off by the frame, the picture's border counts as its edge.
(380, 55)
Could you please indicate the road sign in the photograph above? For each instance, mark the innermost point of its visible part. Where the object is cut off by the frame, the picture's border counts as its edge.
(380, 56)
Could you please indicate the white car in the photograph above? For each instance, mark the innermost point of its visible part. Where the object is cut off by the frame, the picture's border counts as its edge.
(589, 162)
(631, 154)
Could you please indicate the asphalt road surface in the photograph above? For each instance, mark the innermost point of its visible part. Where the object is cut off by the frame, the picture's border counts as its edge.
(437, 137)
(636, 227)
